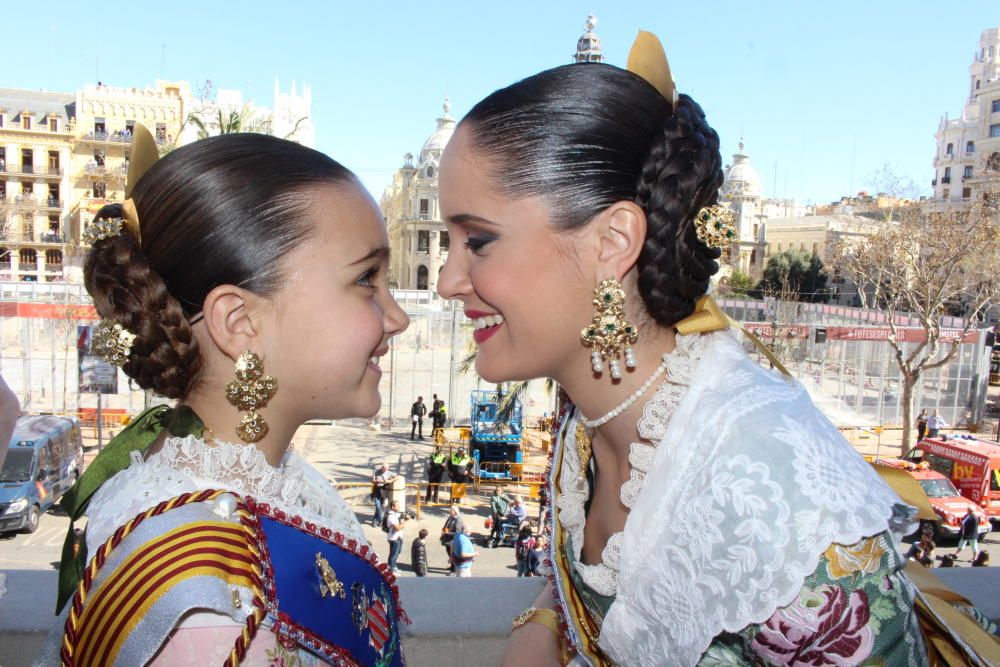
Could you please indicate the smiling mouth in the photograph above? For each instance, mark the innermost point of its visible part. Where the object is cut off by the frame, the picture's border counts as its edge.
(487, 321)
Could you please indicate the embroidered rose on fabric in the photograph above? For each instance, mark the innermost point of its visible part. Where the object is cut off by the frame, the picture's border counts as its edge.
(864, 557)
(824, 626)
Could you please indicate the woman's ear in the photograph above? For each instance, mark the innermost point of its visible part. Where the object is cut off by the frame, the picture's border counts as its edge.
(229, 314)
(620, 233)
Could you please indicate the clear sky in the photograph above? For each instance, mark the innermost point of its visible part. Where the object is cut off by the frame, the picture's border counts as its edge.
(824, 92)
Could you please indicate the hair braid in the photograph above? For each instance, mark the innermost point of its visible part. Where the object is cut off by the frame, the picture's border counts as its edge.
(681, 175)
(126, 289)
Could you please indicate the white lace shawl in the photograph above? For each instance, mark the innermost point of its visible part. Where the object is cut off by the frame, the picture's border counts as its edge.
(748, 486)
(189, 464)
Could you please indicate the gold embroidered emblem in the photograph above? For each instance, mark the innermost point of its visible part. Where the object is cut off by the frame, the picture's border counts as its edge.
(329, 584)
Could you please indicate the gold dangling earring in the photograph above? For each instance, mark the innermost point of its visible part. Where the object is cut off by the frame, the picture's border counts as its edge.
(251, 390)
(609, 332)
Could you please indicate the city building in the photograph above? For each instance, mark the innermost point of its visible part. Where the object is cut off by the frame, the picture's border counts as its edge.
(417, 237)
(63, 156)
(36, 181)
(588, 47)
(970, 144)
(820, 235)
(742, 192)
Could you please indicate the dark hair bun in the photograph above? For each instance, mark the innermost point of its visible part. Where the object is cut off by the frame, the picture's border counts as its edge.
(125, 289)
(681, 175)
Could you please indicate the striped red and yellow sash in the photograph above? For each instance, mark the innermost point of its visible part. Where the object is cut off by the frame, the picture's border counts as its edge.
(206, 548)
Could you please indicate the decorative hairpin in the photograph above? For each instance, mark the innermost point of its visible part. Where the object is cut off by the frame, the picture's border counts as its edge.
(112, 341)
(716, 226)
(144, 155)
(98, 230)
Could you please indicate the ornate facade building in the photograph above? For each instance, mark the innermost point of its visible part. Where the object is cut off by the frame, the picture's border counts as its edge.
(742, 191)
(65, 155)
(969, 145)
(417, 237)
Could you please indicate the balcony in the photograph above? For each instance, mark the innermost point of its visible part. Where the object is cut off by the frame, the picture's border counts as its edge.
(51, 204)
(934, 182)
(117, 137)
(945, 180)
(32, 170)
(96, 172)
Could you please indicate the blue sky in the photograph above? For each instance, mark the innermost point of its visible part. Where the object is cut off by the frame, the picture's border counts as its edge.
(824, 92)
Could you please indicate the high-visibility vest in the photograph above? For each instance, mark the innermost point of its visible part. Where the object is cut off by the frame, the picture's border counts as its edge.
(438, 459)
(461, 462)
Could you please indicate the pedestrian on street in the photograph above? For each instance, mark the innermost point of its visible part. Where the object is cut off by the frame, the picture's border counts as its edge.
(438, 412)
(435, 473)
(536, 558)
(381, 489)
(499, 506)
(969, 534)
(418, 553)
(453, 525)
(523, 547)
(463, 553)
(934, 425)
(921, 425)
(394, 524)
(417, 412)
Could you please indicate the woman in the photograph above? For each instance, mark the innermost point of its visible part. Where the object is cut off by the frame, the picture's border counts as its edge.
(703, 510)
(244, 278)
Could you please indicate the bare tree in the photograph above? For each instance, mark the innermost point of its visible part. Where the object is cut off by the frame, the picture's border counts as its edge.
(926, 264)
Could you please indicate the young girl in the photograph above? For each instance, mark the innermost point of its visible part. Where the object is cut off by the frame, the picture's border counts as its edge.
(245, 278)
(704, 510)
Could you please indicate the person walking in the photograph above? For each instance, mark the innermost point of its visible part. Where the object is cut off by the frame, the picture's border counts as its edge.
(417, 412)
(418, 553)
(394, 525)
(921, 425)
(934, 425)
(969, 534)
(435, 473)
(381, 488)
(463, 553)
(453, 525)
(499, 505)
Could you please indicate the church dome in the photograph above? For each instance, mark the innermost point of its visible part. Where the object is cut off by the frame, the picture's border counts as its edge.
(741, 177)
(439, 139)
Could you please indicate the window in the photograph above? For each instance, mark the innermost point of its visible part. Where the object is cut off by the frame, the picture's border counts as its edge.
(423, 241)
(25, 122)
(994, 108)
(4, 258)
(977, 84)
(27, 159)
(27, 189)
(54, 224)
(130, 127)
(946, 193)
(947, 175)
(966, 193)
(993, 163)
(28, 256)
(950, 149)
(430, 171)
(53, 162)
(995, 130)
(1, 120)
(967, 172)
(756, 229)
(99, 127)
(161, 133)
(970, 147)
(99, 158)
(444, 241)
(425, 209)
(100, 190)
(53, 257)
(53, 124)
(422, 277)
(53, 199)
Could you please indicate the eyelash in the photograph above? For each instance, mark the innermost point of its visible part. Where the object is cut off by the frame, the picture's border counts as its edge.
(476, 244)
(368, 279)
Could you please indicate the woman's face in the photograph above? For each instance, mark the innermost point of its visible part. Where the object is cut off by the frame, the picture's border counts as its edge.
(334, 315)
(525, 286)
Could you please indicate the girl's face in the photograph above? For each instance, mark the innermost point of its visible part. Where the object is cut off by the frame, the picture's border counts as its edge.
(334, 315)
(525, 286)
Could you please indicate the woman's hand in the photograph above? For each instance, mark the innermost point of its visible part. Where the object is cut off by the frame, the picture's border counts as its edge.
(534, 644)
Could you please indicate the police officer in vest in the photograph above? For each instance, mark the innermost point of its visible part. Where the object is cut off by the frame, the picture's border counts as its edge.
(460, 472)
(435, 473)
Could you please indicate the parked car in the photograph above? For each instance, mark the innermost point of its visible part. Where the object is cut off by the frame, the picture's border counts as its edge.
(44, 460)
(947, 503)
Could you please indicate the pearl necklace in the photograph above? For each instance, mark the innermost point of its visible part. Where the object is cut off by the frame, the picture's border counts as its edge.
(624, 405)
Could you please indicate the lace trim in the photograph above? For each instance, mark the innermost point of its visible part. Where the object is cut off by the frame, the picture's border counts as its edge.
(603, 577)
(190, 464)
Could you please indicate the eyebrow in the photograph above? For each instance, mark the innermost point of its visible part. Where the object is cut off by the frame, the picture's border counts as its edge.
(381, 252)
(465, 218)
